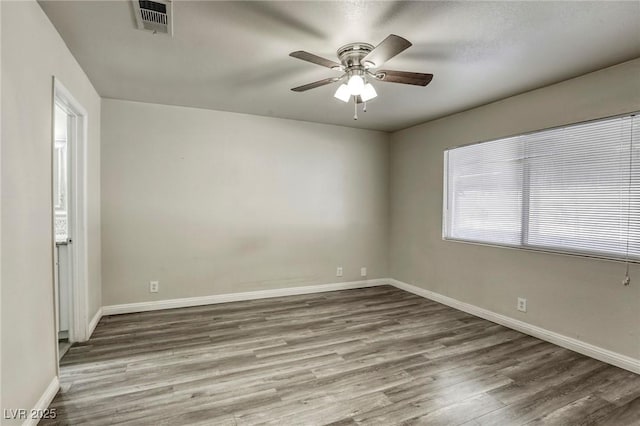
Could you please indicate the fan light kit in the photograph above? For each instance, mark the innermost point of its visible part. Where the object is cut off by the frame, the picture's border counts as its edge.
(359, 63)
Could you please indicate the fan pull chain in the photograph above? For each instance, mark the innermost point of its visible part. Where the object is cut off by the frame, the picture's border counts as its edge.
(355, 108)
(364, 108)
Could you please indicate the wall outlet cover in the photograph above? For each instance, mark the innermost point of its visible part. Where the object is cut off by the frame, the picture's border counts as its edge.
(522, 304)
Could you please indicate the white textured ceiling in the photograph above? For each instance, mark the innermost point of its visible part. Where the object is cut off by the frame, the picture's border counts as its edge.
(233, 56)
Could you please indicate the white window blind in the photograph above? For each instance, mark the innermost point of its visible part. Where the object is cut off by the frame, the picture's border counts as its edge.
(485, 187)
(571, 189)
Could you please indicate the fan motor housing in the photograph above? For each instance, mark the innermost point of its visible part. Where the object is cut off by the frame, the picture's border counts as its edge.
(351, 55)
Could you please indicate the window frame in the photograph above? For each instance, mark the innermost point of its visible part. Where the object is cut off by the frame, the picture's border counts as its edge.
(523, 241)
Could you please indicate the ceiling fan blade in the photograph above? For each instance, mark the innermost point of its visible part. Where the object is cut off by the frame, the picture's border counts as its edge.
(404, 77)
(315, 59)
(315, 84)
(390, 47)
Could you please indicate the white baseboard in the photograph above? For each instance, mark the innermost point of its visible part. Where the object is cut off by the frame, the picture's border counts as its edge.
(44, 401)
(236, 297)
(605, 355)
(94, 321)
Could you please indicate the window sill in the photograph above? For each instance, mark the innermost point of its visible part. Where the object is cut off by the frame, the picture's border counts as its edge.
(595, 256)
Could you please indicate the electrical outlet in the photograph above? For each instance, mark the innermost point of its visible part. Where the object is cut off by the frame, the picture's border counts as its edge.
(363, 272)
(154, 286)
(522, 304)
(339, 271)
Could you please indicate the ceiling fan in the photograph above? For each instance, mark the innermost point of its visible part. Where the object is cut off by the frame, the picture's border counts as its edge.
(360, 64)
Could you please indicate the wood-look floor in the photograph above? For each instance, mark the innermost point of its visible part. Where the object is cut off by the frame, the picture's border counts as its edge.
(376, 356)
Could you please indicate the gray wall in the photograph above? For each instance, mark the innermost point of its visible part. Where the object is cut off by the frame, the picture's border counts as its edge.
(577, 297)
(211, 202)
(33, 52)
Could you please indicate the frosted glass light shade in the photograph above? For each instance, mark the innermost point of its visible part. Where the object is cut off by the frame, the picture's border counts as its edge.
(368, 92)
(343, 93)
(355, 84)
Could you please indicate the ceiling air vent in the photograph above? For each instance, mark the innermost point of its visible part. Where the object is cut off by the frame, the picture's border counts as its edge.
(154, 16)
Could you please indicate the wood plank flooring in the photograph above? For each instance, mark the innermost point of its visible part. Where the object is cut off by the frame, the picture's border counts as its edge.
(374, 356)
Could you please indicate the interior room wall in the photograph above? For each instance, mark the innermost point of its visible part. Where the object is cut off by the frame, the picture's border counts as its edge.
(33, 52)
(575, 296)
(209, 202)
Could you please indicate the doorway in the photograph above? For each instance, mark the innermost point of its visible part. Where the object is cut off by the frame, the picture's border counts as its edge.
(64, 123)
(69, 209)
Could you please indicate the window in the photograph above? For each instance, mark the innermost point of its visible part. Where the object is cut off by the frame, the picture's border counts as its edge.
(573, 189)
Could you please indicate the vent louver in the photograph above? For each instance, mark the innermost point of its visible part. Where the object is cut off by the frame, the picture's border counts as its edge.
(154, 16)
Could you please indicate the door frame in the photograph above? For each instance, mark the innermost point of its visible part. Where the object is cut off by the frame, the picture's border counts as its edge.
(78, 231)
